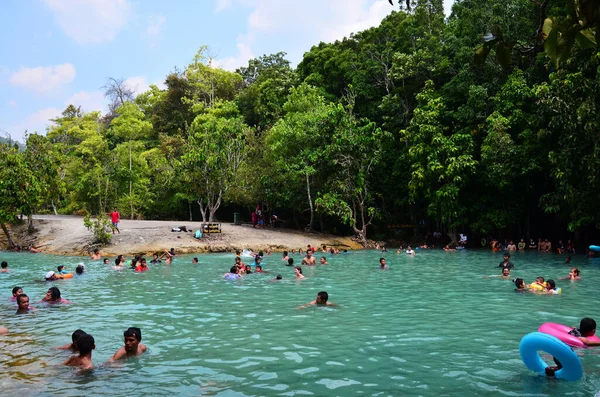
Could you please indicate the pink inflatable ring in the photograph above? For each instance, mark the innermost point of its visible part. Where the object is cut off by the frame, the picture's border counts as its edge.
(561, 332)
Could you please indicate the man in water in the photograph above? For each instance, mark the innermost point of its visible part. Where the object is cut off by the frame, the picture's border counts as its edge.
(132, 347)
(322, 300)
(194, 261)
(506, 263)
(85, 344)
(323, 261)
(309, 259)
(155, 259)
(382, 264)
(505, 273)
(4, 267)
(95, 255)
(115, 217)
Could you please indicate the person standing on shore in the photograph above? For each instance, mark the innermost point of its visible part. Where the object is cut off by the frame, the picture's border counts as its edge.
(115, 217)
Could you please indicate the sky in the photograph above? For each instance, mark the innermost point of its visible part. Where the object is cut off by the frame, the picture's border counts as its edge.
(61, 52)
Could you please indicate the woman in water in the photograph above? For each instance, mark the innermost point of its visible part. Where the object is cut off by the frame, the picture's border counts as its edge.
(298, 271)
(53, 296)
(520, 285)
(551, 288)
(573, 275)
(233, 274)
(119, 263)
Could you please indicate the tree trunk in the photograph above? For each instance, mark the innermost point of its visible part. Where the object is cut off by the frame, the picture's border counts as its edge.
(11, 243)
(30, 228)
(215, 206)
(202, 210)
(54, 207)
(310, 203)
(190, 208)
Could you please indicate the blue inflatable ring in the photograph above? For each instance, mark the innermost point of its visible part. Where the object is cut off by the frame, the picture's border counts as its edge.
(530, 344)
(594, 248)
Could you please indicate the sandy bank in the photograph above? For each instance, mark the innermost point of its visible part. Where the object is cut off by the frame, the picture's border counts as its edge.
(66, 235)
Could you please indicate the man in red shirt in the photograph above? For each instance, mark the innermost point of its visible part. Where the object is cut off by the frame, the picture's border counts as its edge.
(115, 217)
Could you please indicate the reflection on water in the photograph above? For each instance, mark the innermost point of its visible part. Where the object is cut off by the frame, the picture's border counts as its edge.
(434, 324)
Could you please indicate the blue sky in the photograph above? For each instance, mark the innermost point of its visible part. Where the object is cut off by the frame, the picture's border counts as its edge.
(57, 52)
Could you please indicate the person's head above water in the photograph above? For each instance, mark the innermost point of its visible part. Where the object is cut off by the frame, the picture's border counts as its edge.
(539, 279)
(194, 260)
(257, 259)
(506, 256)
(291, 262)
(16, 291)
(23, 302)
(506, 272)
(4, 265)
(86, 344)
(550, 285)
(382, 262)
(519, 283)
(75, 337)
(80, 268)
(322, 298)
(298, 269)
(234, 269)
(575, 271)
(587, 326)
(52, 295)
(106, 261)
(133, 337)
(60, 268)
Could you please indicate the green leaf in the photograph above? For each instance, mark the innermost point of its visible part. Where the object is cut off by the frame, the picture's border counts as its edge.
(585, 39)
(547, 28)
(503, 55)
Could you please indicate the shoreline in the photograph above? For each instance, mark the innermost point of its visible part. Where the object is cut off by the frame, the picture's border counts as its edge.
(66, 235)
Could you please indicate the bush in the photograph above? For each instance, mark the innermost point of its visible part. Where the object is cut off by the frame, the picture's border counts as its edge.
(101, 227)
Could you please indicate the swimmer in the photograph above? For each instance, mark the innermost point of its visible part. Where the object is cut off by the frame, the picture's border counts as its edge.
(383, 249)
(73, 345)
(155, 259)
(257, 261)
(322, 300)
(61, 270)
(520, 285)
(4, 267)
(119, 263)
(233, 274)
(449, 248)
(133, 346)
(16, 291)
(573, 275)
(95, 255)
(51, 276)
(398, 251)
(23, 304)
(248, 269)
(268, 251)
(587, 328)
(551, 288)
(168, 256)
(290, 262)
(309, 260)
(505, 273)
(298, 271)
(194, 261)
(323, 261)
(410, 251)
(53, 296)
(285, 256)
(106, 261)
(142, 266)
(80, 269)
(539, 282)
(278, 278)
(382, 264)
(506, 263)
(86, 344)
(259, 269)
(568, 259)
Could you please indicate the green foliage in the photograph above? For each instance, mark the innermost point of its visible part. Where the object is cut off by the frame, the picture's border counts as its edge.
(100, 227)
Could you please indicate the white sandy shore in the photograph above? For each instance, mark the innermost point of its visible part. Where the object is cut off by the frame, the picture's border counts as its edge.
(66, 235)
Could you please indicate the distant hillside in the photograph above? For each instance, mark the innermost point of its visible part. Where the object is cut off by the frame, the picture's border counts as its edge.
(12, 142)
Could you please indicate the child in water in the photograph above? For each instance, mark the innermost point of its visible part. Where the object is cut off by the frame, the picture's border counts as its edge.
(520, 285)
(86, 344)
(587, 329)
(74, 338)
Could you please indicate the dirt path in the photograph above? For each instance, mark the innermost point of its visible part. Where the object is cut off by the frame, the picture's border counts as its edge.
(66, 235)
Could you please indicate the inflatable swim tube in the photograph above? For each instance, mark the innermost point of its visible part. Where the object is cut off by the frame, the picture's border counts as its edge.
(561, 332)
(595, 248)
(63, 276)
(537, 287)
(530, 344)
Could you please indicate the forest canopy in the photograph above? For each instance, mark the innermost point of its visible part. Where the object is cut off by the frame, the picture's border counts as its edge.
(486, 121)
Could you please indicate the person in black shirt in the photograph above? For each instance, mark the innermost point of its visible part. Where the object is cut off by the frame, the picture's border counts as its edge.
(506, 263)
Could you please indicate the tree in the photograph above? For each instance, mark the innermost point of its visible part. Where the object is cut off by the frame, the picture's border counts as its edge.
(118, 93)
(213, 154)
(130, 124)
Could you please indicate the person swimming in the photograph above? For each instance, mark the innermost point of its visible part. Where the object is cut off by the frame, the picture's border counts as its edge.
(382, 264)
(233, 274)
(85, 344)
(298, 271)
(520, 285)
(53, 296)
(132, 345)
(16, 291)
(574, 274)
(321, 300)
(73, 345)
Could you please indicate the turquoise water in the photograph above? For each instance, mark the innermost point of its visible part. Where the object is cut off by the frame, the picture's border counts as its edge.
(433, 325)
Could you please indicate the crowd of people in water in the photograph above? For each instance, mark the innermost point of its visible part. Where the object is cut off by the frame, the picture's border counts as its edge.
(83, 344)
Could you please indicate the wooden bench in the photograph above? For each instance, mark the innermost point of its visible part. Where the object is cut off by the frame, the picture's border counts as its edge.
(209, 228)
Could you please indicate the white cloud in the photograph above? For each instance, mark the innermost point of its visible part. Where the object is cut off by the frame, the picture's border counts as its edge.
(35, 122)
(241, 59)
(90, 21)
(44, 79)
(12, 103)
(223, 5)
(155, 26)
(448, 7)
(304, 23)
(88, 100)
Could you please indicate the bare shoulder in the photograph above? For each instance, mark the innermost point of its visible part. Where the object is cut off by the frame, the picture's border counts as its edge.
(142, 348)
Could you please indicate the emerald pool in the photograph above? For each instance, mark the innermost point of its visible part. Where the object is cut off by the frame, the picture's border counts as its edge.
(435, 324)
